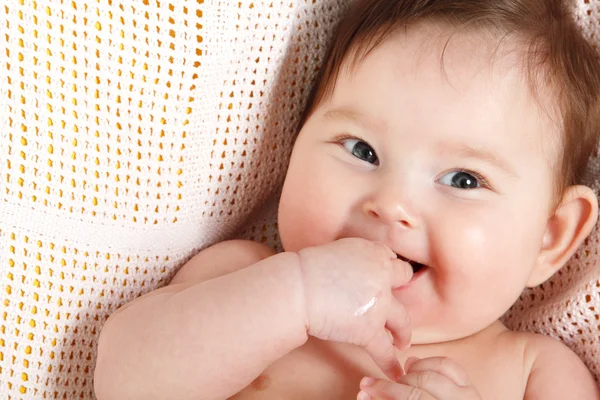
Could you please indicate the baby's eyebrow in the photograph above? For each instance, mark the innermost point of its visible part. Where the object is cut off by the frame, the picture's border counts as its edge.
(356, 117)
(490, 157)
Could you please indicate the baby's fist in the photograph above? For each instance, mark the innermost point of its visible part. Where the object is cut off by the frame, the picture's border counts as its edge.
(348, 289)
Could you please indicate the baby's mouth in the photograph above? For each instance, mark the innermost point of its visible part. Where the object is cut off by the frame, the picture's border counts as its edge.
(416, 267)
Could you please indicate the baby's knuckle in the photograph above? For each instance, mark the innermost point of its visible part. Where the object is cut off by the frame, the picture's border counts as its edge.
(446, 362)
(363, 247)
(415, 394)
(424, 378)
(378, 247)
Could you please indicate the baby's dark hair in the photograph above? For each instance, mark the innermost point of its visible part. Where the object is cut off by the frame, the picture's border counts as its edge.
(556, 55)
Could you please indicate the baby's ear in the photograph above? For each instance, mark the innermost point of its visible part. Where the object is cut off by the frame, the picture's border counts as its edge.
(567, 228)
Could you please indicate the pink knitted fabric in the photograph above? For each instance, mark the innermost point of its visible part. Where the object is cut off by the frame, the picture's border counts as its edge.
(133, 134)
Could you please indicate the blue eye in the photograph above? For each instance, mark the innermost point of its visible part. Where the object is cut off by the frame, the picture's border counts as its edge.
(461, 180)
(360, 150)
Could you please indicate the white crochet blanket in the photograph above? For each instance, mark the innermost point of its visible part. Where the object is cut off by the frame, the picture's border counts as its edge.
(133, 134)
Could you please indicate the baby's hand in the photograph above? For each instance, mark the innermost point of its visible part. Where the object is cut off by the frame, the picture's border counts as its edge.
(348, 287)
(435, 378)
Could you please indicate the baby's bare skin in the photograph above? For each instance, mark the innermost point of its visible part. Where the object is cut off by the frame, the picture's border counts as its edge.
(327, 370)
(498, 361)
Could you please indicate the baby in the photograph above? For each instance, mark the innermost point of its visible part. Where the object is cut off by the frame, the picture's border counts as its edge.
(434, 178)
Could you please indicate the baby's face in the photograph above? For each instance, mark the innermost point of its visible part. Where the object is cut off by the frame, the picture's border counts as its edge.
(452, 171)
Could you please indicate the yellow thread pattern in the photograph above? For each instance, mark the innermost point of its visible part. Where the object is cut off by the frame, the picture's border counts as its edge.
(132, 134)
(57, 297)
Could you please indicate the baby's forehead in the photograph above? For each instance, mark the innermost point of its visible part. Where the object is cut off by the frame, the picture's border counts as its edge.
(458, 56)
(465, 66)
(463, 60)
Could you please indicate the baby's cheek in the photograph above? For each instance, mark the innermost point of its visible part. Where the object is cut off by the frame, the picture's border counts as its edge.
(309, 215)
(473, 250)
(463, 243)
(497, 255)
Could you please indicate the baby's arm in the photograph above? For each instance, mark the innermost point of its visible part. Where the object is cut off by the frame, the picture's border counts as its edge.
(557, 373)
(210, 332)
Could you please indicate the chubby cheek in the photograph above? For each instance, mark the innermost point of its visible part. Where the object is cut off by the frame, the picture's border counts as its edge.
(311, 209)
(488, 254)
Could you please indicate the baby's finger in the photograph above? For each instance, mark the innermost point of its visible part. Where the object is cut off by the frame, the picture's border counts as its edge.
(402, 273)
(382, 352)
(442, 365)
(436, 385)
(398, 323)
(382, 389)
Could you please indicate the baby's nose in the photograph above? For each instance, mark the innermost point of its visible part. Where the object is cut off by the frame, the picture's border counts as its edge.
(391, 210)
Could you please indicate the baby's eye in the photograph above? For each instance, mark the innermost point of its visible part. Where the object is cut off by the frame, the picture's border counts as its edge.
(461, 180)
(360, 150)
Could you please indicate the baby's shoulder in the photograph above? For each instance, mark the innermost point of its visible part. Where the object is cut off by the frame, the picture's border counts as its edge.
(221, 259)
(539, 349)
(552, 369)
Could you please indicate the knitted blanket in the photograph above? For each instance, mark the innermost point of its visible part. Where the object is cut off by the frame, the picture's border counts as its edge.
(133, 134)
